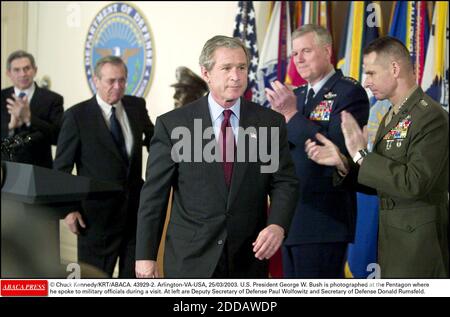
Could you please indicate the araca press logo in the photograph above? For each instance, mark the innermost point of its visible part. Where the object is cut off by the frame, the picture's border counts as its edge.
(120, 30)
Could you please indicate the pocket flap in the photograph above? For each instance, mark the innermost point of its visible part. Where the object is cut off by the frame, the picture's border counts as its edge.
(411, 219)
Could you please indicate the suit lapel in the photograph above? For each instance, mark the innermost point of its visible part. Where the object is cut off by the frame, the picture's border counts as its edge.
(132, 117)
(301, 98)
(214, 169)
(34, 102)
(239, 168)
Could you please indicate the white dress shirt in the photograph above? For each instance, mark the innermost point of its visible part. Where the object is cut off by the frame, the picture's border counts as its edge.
(320, 83)
(216, 112)
(29, 92)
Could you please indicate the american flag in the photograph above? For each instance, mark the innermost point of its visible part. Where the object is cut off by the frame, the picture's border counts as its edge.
(245, 29)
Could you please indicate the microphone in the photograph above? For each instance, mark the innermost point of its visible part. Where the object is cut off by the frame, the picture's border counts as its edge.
(15, 142)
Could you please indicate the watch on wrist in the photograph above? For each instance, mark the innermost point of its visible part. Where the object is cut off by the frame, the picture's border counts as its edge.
(360, 154)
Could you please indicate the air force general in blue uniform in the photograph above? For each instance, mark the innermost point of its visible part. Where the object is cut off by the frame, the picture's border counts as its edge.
(324, 220)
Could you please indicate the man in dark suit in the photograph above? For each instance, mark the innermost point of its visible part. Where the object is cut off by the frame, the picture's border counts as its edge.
(324, 222)
(219, 225)
(29, 111)
(103, 137)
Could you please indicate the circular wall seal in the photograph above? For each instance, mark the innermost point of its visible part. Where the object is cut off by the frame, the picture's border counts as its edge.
(120, 30)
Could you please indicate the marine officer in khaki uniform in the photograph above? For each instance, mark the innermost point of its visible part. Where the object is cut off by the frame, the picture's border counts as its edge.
(408, 166)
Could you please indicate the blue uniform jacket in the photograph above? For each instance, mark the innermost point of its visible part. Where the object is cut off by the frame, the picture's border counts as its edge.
(324, 213)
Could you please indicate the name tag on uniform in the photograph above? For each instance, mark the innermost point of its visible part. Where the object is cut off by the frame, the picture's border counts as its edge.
(398, 133)
(322, 111)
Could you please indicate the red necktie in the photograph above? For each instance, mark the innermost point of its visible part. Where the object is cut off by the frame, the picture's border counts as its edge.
(227, 145)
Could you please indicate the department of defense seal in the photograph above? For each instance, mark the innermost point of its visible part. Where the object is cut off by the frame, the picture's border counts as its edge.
(120, 30)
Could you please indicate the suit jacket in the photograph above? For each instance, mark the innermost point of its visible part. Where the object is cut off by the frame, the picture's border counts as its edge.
(204, 214)
(324, 213)
(46, 113)
(409, 169)
(86, 141)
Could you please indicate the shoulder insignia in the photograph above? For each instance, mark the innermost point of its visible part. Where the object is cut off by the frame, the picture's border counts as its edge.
(350, 79)
(423, 103)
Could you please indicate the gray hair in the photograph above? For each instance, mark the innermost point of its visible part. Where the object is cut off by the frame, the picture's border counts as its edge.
(115, 60)
(207, 56)
(19, 54)
(322, 35)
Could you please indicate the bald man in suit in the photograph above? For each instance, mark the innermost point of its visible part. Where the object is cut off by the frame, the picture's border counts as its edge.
(103, 137)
